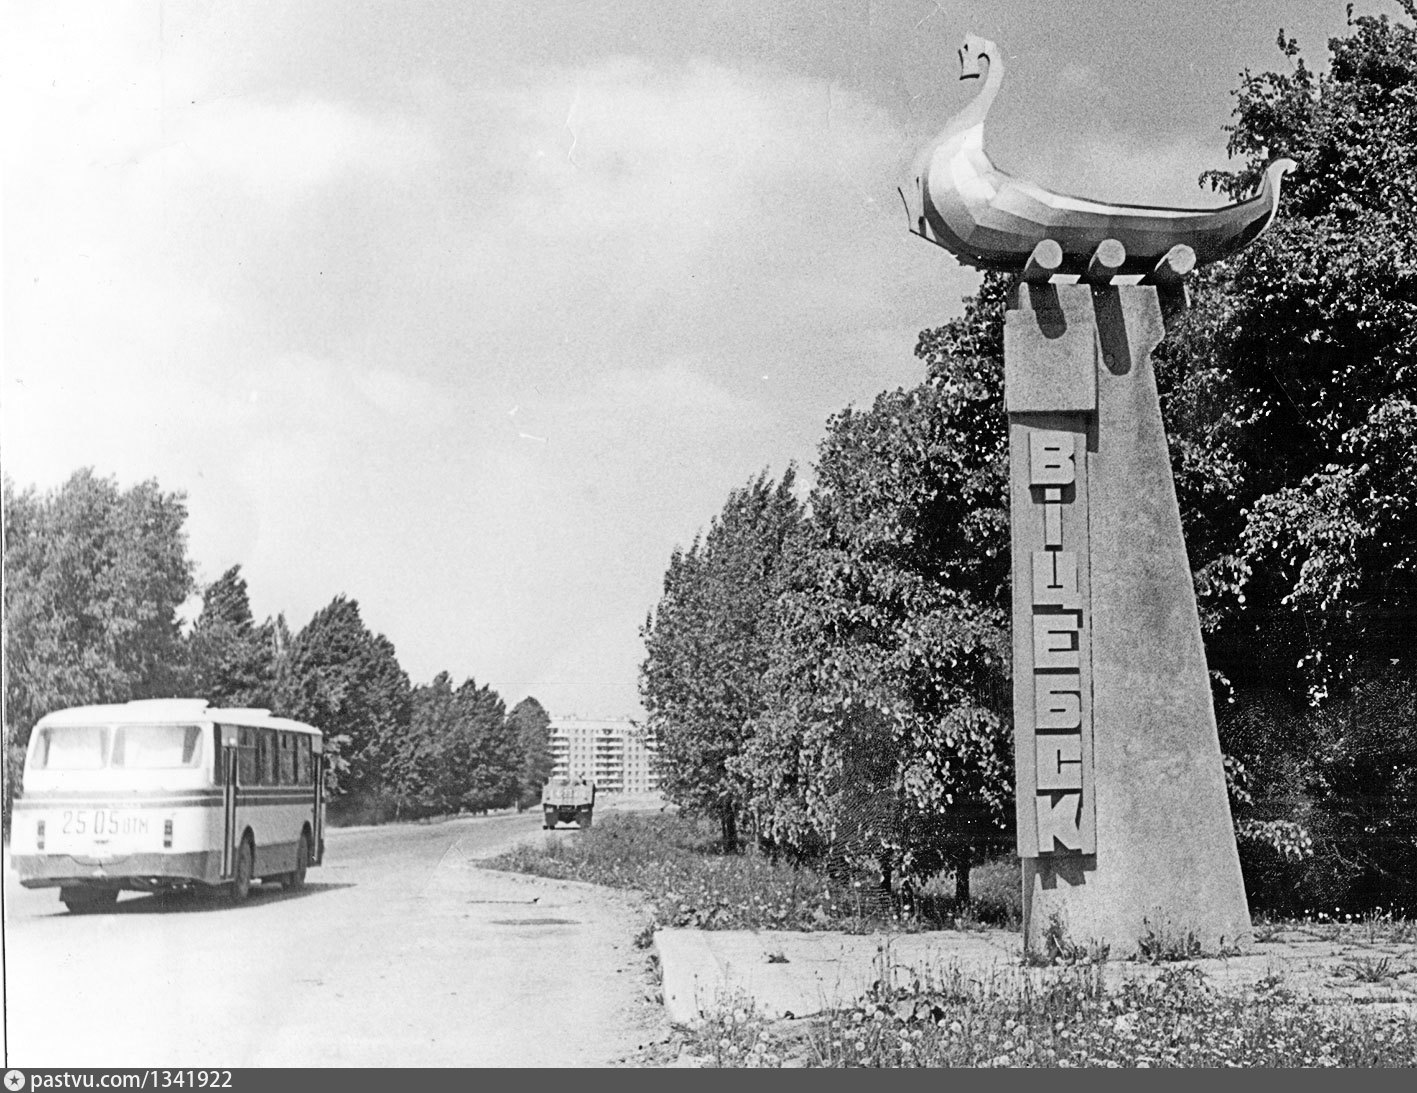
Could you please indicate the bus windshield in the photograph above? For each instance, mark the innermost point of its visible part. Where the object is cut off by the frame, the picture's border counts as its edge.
(133, 747)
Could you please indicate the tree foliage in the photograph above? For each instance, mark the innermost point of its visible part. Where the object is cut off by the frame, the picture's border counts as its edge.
(887, 727)
(94, 578)
(484, 754)
(1289, 396)
(532, 726)
(707, 644)
(231, 660)
(348, 683)
(460, 752)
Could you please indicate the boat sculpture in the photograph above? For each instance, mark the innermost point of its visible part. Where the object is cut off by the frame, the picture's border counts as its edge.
(993, 221)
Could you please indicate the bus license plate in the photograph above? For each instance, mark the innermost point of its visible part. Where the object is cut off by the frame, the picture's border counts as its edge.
(101, 824)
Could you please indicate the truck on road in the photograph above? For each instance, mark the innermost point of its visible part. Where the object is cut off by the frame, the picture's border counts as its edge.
(568, 802)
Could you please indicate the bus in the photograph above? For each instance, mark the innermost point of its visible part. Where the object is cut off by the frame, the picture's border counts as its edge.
(167, 794)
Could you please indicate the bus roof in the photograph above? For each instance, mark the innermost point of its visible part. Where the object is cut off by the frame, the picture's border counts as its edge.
(174, 709)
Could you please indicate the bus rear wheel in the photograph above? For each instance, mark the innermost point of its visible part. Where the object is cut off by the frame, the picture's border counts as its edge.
(296, 877)
(83, 901)
(245, 867)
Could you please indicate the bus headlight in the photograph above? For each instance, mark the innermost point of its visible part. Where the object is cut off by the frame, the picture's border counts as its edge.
(39, 835)
(167, 834)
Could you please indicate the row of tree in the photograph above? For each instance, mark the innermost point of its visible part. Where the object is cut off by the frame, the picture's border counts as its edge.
(835, 673)
(95, 580)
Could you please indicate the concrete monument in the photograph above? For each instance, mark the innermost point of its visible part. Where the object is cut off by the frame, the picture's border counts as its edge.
(1124, 825)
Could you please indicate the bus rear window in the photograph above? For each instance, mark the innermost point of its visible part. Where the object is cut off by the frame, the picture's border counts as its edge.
(156, 747)
(72, 747)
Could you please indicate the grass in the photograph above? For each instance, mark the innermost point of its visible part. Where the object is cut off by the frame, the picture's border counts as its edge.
(1378, 926)
(1177, 1020)
(676, 862)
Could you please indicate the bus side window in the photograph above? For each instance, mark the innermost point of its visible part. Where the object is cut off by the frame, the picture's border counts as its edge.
(266, 756)
(218, 758)
(247, 758)
(287, 759)
(303, 772)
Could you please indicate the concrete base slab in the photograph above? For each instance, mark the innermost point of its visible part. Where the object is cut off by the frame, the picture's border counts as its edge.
(797, 974)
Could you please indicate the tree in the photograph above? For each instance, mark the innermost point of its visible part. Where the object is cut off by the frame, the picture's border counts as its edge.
(1290, 386)
(483, 759)
(347, 682)
(531, 725)
(461, 752)
(416, 775)
(232, 661)
(1288, 391)
(707, 645)
(94, 578)
(886, 737)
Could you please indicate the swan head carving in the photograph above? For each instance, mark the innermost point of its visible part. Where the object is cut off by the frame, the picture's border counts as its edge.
(973, 56)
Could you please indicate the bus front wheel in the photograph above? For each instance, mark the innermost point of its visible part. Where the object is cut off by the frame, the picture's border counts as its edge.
(245, 866)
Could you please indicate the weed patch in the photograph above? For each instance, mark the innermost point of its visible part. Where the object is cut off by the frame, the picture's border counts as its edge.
(1161, 943)
(1372, 969)
(1176, 1020)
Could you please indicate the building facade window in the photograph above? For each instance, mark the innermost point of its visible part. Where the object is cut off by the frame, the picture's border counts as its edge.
(614, 753)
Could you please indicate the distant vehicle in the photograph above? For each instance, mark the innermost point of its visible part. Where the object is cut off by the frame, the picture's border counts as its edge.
(568, 802)
(167, 794)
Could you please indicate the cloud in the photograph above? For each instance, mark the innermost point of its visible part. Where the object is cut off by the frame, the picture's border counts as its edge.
(106, 86)
(628, 213)
(288, 148)
(686, 149)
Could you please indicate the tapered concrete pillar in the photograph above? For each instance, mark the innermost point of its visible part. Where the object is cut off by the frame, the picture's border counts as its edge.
(1123, 818)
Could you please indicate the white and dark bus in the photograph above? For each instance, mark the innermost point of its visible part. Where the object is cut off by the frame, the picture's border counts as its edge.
(167, 794)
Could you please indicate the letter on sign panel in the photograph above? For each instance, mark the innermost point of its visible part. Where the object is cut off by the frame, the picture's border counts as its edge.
(1055, 641)
(1058, 820)
(1050, 457)
(1059, 762)
(1058, 701)
(1055, 578)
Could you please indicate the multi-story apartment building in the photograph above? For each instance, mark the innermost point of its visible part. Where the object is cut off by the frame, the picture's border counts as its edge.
(614, 753)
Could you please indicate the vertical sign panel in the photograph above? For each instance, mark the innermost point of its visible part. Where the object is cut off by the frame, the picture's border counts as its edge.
(1052, 634)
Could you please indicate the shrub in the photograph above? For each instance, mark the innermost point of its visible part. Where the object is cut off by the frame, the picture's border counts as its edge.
(679, 863)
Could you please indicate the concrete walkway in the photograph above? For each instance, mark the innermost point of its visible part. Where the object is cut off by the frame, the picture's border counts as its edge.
(797, 974)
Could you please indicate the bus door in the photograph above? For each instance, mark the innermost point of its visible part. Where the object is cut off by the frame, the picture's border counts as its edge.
(318, 827)
(230, 764)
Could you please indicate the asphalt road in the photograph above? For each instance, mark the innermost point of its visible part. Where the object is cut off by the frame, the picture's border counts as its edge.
(399, 951)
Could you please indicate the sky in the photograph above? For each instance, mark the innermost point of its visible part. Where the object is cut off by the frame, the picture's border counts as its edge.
(473, 312)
